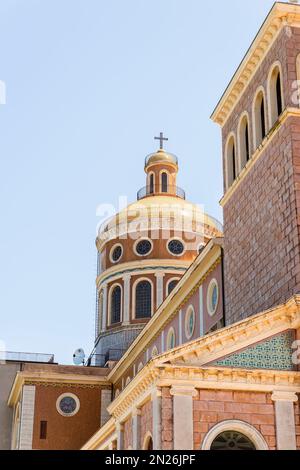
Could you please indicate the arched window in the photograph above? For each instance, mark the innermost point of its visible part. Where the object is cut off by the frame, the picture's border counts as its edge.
(275, 94)
(296, 96)
(230, 161)
(244, 141)
(233, 434)
(115, 305)
(171, 285)
(259, 118)
(151, 184)
(164, 182)
(232, 440)
(143, 300)
(171, 339)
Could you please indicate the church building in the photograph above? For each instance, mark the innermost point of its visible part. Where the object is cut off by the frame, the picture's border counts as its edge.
(197, 332)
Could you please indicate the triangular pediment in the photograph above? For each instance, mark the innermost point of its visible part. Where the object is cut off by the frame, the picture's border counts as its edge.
(274, 353)
(264, 341)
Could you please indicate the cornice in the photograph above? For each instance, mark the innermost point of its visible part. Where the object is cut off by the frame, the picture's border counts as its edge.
(189, 283)
(288, 112)
(136, 267)
(54, 379)
(281, 15)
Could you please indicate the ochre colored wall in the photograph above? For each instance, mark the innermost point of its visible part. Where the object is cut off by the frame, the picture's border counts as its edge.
(65, 433)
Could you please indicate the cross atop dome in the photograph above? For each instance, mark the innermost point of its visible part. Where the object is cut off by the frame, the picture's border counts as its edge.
(161, 139)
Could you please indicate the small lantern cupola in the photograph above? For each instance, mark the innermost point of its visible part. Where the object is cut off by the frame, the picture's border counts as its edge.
(161, 168)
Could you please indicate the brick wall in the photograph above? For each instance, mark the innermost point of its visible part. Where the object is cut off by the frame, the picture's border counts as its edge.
(167, 419)
(261, 226)
(261, 234)
(214, 406)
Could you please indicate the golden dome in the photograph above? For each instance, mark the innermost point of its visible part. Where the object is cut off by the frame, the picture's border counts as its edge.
(161, 156)
(158, 210)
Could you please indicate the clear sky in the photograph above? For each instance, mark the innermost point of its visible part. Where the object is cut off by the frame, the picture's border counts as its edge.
(89, 84)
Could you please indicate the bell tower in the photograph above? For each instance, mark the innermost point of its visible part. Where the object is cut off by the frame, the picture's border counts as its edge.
(260, 120)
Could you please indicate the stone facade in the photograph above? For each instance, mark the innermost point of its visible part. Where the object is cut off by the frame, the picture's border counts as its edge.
(261, 223)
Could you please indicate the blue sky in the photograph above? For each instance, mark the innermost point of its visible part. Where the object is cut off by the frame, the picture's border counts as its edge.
(89, 83)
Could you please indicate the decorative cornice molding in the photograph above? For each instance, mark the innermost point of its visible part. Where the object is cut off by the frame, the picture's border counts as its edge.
(281, 15)
(288, 112)
(141, 267)
(284, 396)
(44, 378)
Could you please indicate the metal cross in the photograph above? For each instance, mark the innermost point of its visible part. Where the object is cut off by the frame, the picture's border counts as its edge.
(161, 139)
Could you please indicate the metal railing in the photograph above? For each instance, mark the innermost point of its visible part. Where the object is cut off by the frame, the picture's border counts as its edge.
(171, 191)
(26, 357)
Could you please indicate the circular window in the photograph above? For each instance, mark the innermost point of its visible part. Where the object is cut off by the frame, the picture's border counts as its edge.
(176, 247)
(232, 440)
(116, 253)
(67, 404)
(143, 247)
(212, 297)
(189, 322)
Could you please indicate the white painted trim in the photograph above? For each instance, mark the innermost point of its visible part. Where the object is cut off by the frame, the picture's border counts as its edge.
(169, 282)
(64, 395)
(201, 315)
(151, 173)
(181, 241)
(27, 417)
(240, 163)
(116, 245)
(260, 91)
(171, 332)
(111, 289)
(140, 240)
(104, 316)
(212, 283)
(160, 181)
(271, 102)
(180, 339)
(189, 311)
(235, 425)
(228, 183)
